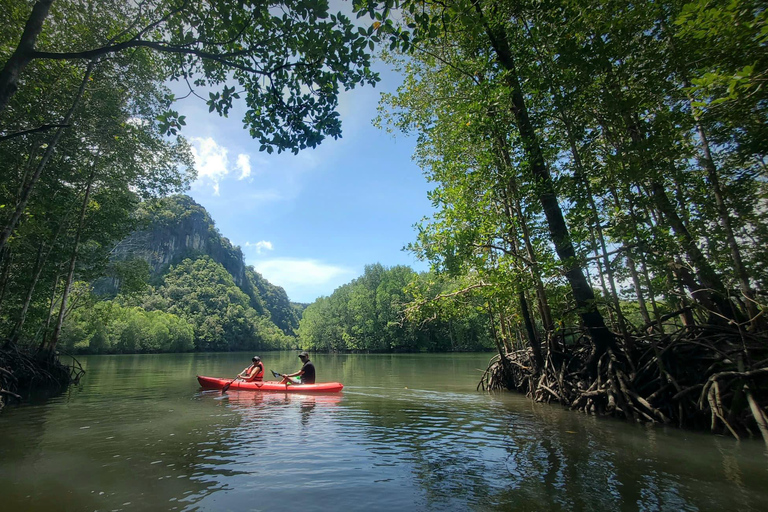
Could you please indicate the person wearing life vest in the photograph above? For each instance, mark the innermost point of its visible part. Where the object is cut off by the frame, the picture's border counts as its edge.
(255, 372)
(305, 376)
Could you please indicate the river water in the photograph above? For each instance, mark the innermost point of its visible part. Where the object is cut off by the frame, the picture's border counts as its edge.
(407, 431)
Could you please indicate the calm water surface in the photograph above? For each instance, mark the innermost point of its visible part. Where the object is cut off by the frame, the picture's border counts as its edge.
(407, 431)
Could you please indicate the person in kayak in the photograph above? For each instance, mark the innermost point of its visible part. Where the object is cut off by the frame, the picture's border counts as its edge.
(255, 372)
(305, 376)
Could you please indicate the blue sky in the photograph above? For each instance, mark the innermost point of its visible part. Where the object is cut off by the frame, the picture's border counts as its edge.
(311, 222)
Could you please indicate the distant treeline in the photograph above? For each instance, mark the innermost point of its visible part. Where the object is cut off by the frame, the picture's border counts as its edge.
(197, 306)
(371, 314)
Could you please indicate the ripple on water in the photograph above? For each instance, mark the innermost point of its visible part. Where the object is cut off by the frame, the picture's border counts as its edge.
(374, 447)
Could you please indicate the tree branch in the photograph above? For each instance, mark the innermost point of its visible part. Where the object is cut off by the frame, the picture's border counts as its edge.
(42, 128)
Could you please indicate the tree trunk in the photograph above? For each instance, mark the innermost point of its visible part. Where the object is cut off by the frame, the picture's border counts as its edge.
(9, 76)
(712, 286)
(50, 314)
(631, 260)
(51, 345)
(583, 294)
(531, 330)
(7, 263)
(725, 222)
(581, 176)
(27, 191)
(37, 270)
(39, 265)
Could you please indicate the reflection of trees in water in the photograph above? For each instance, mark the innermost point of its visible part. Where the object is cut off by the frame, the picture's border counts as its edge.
(549, 459)
(92, 456)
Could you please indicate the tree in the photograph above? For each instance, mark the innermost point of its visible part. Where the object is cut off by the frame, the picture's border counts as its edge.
(289, 57)
(290, 66)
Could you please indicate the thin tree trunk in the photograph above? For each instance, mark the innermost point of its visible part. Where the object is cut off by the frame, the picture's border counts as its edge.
(505, 336)
(21, 205)
(582, 177)
(725, 222)
(9, 76)
(50, 314)
(39, 265)
(722, 209)
(712, 285)
(601, 276)
(72, 263)
(8, 262)
(531, 330)
(511, 196)
(631, 260)
(680, 298)
(37, 269)
(513, 201)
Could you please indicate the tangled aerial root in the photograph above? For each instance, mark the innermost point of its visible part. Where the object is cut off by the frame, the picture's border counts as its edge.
(21, 371)
(696, 377)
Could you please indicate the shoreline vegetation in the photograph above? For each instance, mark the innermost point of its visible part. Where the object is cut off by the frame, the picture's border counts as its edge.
(599, 174)
(599, 189)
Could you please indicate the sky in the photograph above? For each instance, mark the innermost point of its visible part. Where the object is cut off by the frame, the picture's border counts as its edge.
(311, 222)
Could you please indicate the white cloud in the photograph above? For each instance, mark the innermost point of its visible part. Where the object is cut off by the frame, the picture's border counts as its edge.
(211, 161)
(261, 246)
(244, 164)
(304, 280)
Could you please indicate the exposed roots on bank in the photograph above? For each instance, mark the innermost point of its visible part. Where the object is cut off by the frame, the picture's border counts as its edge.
(702, 377)
(21, 372)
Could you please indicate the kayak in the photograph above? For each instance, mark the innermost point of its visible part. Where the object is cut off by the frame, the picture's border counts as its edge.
(270, 385)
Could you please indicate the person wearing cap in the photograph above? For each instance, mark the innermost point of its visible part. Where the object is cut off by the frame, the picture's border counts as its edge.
(255, 372)
(305, 376)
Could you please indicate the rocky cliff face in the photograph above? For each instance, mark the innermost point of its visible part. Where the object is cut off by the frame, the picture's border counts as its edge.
(176, 228)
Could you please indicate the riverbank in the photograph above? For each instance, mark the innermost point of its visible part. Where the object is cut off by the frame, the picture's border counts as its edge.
(23, 371)
(698, 377)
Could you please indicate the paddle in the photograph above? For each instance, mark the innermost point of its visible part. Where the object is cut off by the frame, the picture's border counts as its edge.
(226, 386)
(280, 376)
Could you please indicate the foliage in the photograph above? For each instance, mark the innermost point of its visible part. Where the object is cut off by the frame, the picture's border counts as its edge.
(288, 59)
(369, 315)
(110, 327)
(82, 92)
(202, 292)
(599, 173)
(276, 302)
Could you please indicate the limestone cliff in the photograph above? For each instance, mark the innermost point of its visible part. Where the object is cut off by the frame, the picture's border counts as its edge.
(175, 228)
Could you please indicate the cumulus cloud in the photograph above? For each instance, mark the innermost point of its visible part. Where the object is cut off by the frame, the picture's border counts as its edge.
(244, 164)
(211, 161)
(304, 280)
(262, 245)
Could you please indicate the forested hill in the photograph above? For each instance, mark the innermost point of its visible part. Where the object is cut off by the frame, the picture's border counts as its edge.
(176, 228)
(176, 284)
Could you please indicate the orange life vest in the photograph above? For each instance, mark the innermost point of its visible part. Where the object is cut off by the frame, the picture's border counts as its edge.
(259, 376)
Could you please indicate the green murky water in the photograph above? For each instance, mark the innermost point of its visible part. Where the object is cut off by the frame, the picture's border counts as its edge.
(408, 431)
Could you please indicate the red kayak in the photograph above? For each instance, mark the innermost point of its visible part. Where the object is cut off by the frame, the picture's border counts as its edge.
(267, 385)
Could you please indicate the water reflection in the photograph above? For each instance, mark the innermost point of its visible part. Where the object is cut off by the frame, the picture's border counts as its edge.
(543, 458)
(140, 435)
